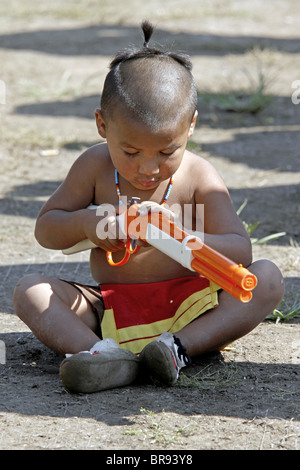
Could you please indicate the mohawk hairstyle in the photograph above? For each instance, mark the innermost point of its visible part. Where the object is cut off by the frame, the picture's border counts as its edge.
(148, 31)
(152, 84)
(146, 51)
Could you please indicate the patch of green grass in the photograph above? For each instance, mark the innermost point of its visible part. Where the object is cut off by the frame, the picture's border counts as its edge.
(32, 137)
(41, 93)
(251, 227)
(288, 309)
(193, 146)
(251, 100)
(155, 429)
(238, 102)
(158, 430)
(210, 378)
(132, 432)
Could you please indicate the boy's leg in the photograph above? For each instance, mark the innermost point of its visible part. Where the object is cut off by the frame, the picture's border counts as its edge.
(216, 328)
(57, 313)
(61, 318)
(232, 319)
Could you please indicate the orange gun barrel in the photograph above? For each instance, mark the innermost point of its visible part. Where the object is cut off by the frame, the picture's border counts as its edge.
(235, 272)
(221, 280)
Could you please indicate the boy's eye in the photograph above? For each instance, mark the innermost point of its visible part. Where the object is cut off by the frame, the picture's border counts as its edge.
(167, 153)
(130, 154)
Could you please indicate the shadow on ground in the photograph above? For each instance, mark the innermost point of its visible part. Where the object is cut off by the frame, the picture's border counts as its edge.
(249, 389)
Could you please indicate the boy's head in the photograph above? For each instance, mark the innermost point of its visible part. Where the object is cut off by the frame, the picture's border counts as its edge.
(151, 86)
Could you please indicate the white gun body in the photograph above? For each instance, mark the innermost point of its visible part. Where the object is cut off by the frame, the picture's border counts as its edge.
(173, 248)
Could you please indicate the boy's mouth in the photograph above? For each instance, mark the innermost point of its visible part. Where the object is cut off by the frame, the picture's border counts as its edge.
(148, 183)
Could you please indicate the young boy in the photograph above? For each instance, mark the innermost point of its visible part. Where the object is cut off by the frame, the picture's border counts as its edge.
(151, 313)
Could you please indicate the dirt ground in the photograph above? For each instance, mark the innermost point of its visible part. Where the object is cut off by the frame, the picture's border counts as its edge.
(53, 60)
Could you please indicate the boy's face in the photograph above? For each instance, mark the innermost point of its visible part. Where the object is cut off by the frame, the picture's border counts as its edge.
(143, 157)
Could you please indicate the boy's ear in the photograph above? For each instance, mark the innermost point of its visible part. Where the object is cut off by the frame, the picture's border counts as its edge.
(193, 124)
(100, 123)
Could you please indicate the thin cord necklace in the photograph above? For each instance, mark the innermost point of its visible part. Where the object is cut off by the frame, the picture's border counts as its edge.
(131, 246)
(119, 192)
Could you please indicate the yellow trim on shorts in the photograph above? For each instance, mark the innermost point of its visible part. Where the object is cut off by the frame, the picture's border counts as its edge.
(135, 338)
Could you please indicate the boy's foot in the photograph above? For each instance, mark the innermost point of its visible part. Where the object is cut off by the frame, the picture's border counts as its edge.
(104, 367)
(164, 358)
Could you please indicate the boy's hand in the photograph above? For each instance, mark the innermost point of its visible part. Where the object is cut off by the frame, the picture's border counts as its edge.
(148, 206)
(102, 228)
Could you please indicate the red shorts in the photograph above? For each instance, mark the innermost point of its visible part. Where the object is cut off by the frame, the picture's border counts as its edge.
(136, 314)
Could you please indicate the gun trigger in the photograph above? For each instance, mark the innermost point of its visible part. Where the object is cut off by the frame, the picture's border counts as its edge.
(134, 200)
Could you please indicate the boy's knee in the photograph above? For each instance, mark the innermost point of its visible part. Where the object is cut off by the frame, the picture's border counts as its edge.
(270, 281)
(26, 282)
(21, 291)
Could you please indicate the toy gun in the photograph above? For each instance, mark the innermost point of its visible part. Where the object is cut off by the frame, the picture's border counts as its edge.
(188, 250)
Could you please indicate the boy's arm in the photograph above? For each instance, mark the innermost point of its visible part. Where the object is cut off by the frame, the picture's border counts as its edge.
(64, 220)
(223, 230)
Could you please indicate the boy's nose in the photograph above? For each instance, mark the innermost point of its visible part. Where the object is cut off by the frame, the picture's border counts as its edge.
(149, 168)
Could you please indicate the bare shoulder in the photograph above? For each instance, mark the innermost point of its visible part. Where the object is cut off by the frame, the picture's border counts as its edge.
(95, 157)
(89, 166)
(79, 186)
(203, 176)
(210, 190)
(198, 163)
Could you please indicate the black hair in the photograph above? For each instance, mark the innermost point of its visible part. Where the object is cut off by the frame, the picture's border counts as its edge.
(134, 53)
(152, 84)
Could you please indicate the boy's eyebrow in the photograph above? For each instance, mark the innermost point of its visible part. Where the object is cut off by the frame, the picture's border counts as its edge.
(175, 146)
(126, 144)
(169, 147)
